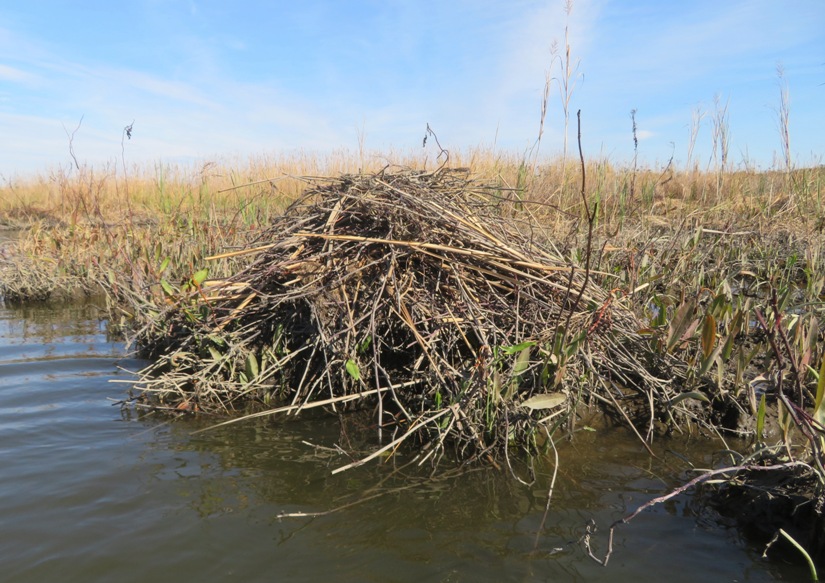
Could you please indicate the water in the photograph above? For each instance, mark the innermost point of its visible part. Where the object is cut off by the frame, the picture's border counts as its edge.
(90, 493)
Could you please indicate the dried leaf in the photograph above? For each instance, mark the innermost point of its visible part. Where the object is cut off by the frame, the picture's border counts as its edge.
(681, 324)
(546, 401)
(708, 335)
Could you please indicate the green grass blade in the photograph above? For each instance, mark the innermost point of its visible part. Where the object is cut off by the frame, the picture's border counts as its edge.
(760, 419)
(819, 408)
(799, 547)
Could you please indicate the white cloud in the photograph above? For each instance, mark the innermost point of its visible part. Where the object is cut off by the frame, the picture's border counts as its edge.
(15, 75)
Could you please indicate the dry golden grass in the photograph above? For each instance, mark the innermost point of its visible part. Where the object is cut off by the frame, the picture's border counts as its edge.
(257, 188)
(93, 219)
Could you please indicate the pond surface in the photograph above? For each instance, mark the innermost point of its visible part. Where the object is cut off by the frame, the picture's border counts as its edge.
(91, 493)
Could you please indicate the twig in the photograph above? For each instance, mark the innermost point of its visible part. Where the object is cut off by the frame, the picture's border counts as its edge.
(549, 492)
(71, 142)
(591, 218)
(288, 408)
(442, 151)
(698, 480)
(393, 443)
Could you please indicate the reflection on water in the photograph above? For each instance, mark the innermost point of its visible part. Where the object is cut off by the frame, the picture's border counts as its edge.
(90, 493)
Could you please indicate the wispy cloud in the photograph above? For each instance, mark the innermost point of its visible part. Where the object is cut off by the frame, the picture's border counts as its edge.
(14, 75)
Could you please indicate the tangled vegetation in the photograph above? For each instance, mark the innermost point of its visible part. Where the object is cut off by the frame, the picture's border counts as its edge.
(472, 312)
(419, 294)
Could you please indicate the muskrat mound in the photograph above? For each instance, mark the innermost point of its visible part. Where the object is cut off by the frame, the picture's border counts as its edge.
(423, 295)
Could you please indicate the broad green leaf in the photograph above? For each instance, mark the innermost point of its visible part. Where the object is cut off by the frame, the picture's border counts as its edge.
(251, 368)
(518, 347)
(522, 362)
(167, 288)
(760, 419)
(708, 361)
(216, 355)
(164, 265)
(735, 327)
(720, 305)
(352, 370)
(547, 401)
(200, 276)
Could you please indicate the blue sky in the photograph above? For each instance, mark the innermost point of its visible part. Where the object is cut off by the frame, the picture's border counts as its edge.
(208, 79)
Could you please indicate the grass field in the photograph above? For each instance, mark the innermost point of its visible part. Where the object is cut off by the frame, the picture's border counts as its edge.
(80, 222)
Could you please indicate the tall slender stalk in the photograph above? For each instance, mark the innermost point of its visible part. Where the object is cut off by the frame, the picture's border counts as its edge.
(590, 214)
(635, 156)
(721, 141)
(784, 120)
(566, 81)
(696, 117)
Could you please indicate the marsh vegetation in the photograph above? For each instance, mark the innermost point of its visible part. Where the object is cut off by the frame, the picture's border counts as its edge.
(473, 309)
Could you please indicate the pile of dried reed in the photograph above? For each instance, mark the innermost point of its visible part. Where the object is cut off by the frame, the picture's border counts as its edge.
(415, 293)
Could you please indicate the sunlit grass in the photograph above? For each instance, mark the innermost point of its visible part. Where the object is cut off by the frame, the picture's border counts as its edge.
(256, 188)
(89, 220)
